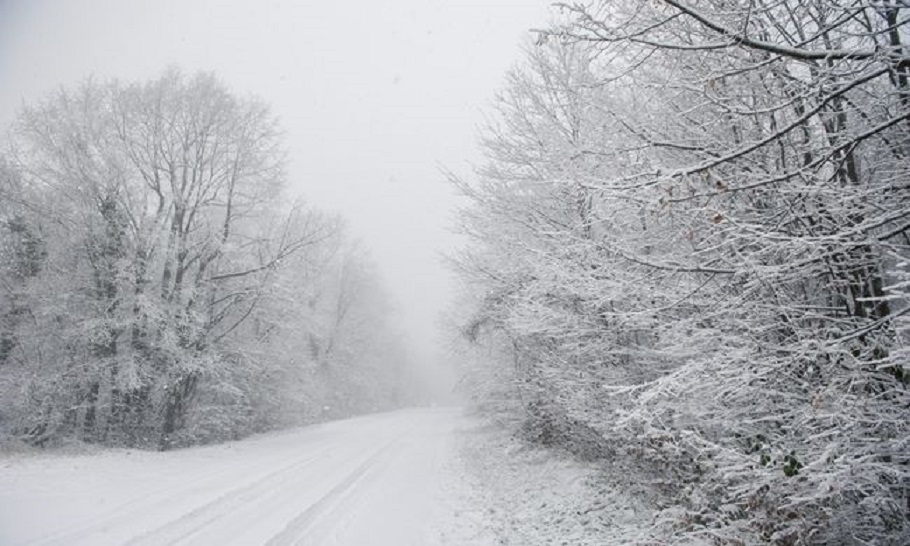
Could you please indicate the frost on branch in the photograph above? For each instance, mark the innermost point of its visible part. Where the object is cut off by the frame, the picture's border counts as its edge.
(690, 240)
(157, 290)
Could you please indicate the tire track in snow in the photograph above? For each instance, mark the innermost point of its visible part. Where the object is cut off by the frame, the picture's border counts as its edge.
(299, 530)
(364, 481)
(211, 512)
(126, 513)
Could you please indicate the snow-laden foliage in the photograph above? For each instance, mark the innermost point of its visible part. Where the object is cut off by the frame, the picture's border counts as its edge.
(156, 289)
(690, 241)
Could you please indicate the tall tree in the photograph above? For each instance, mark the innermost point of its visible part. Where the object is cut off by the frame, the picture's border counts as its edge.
(693, 248)
(165, 199)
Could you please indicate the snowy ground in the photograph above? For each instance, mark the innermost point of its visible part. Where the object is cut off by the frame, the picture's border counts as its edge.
(387, 479)
(537, 496)
(422, 477)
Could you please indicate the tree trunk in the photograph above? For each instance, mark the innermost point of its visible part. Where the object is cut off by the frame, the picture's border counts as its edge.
(176, 404)
(90, 420)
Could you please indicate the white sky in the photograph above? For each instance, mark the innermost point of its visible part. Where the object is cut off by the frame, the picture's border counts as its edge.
(374, 96)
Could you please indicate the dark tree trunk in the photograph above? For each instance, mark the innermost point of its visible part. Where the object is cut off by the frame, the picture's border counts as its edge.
(91, 413)
(176, 404)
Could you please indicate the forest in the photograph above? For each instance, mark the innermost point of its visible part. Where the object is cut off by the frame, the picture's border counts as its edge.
(158, 288)
(684, 260)
(688, 255)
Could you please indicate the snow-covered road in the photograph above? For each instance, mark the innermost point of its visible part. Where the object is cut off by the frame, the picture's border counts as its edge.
(385, 479)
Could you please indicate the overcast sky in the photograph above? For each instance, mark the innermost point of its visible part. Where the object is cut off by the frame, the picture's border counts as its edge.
(374, 96)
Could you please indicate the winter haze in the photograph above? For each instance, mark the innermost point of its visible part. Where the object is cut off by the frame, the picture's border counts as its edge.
(674, 306)
(374, 98)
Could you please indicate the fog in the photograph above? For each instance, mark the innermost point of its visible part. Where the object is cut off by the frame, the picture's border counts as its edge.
(374, 97)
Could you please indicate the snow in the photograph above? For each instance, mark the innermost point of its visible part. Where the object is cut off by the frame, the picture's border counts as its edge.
(421, 477)
(535, 495)
(386, 479)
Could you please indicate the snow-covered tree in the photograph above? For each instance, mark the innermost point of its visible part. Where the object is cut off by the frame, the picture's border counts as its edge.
(694, 239)
(144, 232)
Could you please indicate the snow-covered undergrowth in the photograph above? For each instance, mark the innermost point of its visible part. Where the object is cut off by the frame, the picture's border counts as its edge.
(533, 495)
(686, 253)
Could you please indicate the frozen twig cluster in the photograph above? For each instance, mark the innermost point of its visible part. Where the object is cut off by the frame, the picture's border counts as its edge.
(690, 244)
(155, 290)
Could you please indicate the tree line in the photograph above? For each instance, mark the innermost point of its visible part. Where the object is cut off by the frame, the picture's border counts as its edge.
(157, 288)
(688, 253)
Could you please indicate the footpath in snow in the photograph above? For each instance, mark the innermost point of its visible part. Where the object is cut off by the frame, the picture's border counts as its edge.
(387, 479)
(418, 477)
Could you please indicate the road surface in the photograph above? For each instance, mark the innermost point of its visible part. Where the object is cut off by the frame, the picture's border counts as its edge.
(385, 479)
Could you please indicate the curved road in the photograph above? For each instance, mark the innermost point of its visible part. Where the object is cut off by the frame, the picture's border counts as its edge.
(384, 479)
